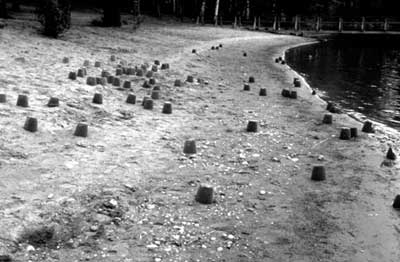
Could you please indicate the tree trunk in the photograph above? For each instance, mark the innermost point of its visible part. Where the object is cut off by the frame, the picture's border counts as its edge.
(202, 12)
(136, 13)
(111, 13)
(16, 6)
(248, 9)
(3, 9)
(216, 12)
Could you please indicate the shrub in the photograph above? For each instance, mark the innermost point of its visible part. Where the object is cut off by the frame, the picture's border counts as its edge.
(55, 16)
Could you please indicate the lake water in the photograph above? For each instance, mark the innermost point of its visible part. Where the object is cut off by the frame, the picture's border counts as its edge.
(361, 79)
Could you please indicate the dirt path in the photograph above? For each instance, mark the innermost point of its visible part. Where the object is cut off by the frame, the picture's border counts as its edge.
(267, 208)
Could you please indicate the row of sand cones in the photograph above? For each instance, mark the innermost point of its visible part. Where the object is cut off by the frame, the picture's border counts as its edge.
(205, 192)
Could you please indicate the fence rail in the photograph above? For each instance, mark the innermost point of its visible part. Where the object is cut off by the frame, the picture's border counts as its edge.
(298, 23)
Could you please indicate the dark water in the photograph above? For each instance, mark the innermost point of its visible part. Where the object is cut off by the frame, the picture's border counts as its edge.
(361, 79)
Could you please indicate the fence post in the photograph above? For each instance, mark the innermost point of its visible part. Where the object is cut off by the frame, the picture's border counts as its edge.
(235, 22)
(240, 21)
(385, 25)
(274, 25)
(296, 23)
(362, 24)
(340, 24)
(317, 25)
(255, 23)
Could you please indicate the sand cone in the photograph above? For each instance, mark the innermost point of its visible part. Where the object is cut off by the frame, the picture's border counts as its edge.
(252, 126)
(131, 99)
(154, 68)
(396, 202)
(110, 79)
(99, 80)
(252, 79)
(277, 60)
(81, 72)
(164, 66)
(72, 75)
(116, 81)
(91, 81)
(5, 258)
(86, 63)
(53, 102)
(217, 48)
(314, 92)
(328, 119)
(263, 91)
(246, 87)
(113, 58)
(178, 83)
(157, 62)
(152, 81)
(155, 95)
(194, 51)
(368, 128)
(205, 194)
(22, 101)
(105, 73)
(220, 45)
(3, 98)
(390, 154)
(65, 60)
(31, 124)
(97, 99)
(127, 84)
(81, 130)
(285, 93)
(296, 82)
(156, 88)
(332, 108)
(146, 84)
(119, 71)
(190, 79)
(329, 106)
(148, 104)
(318, 173)
(190, 147)
(144, 67)
(244, 54)
(167, 108)
(144, 100)
(131, 71)
(353, 132)
(345, 133)
(97, 64)
(213, 48)
(293, 94)
(149, 74)
(283, 62)
(139, 72)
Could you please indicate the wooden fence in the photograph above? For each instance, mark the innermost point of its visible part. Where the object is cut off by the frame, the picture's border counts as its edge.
(298, 23)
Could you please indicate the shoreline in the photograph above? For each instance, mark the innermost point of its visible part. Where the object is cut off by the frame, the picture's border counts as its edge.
(379, 127)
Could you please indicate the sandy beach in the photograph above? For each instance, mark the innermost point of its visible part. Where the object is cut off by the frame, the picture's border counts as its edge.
(126, 192)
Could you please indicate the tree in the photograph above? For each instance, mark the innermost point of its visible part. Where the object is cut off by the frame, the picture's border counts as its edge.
(136, 13)
(55, 16)
(3, 9)
(111, 13)
(16, 6)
